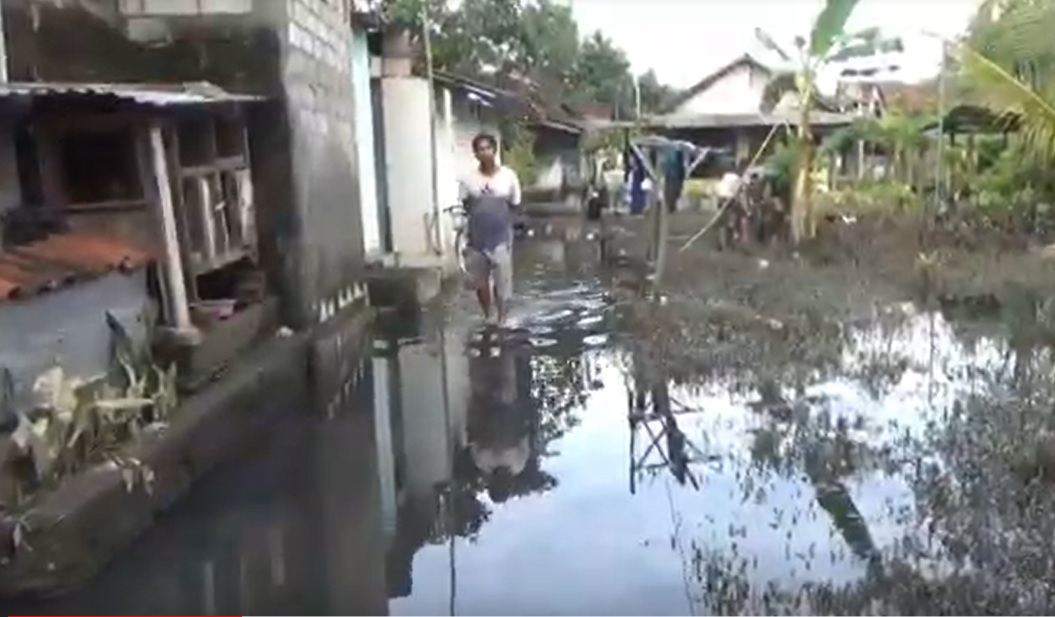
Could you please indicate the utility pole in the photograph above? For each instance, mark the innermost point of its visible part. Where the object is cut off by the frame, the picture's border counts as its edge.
(939, 188)
(637, 97)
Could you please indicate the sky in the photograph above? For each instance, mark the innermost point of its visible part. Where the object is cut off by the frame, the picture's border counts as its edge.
(684, 40)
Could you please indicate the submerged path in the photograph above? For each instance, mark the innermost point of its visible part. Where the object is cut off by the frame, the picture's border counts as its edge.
(541, 472)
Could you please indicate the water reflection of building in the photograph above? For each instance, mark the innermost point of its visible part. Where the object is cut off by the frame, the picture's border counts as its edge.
(420, 379)
(293, 529)
(469, 420)
(304, 537)
(458, 428)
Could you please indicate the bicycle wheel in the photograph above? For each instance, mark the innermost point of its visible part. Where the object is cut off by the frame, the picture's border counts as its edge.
(459, 251)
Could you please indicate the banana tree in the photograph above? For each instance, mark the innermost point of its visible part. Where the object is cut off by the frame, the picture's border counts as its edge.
(828, 43)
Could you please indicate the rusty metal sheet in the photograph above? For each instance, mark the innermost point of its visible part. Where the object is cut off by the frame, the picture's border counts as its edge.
(64, 259)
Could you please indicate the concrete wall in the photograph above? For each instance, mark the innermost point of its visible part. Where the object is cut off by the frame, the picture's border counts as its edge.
(408, 168)
(738, 92)
(364, 137)
(69, 326)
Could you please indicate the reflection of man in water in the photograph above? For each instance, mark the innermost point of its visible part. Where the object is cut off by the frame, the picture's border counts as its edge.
(499, 424)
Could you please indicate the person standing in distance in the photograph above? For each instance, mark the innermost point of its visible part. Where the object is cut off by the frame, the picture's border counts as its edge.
(491, 194)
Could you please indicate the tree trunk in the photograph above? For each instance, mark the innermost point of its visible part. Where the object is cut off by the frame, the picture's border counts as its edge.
(802, 224)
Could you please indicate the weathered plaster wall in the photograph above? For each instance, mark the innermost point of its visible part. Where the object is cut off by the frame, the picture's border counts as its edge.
(69, 327)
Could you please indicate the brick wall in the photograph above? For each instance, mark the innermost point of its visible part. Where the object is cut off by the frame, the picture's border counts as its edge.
(317, 79)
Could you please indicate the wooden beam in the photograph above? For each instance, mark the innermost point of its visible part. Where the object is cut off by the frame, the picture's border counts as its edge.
(174, 277)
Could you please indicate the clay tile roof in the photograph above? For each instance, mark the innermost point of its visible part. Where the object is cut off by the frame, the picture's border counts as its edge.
(64, 259)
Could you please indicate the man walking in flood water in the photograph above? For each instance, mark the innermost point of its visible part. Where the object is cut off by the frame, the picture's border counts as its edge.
(490, 193)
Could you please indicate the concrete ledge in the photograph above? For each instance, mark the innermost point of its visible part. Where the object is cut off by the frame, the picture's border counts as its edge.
(406, 289)
(336, 352)
(73, 531)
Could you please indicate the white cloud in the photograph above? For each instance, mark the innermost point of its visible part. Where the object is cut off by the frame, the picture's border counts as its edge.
(683, 40)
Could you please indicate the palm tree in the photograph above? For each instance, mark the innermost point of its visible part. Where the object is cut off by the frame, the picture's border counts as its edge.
(828, 43)
(1009, 67)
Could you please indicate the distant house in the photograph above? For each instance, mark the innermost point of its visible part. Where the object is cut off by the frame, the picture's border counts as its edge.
(876, 97)
(724, 109)
(735, 88)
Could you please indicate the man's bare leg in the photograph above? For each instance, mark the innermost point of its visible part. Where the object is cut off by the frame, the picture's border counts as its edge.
(500, 307)
(502, 273)
(483, 296)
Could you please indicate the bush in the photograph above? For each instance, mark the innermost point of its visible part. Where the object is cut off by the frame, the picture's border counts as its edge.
(1012, 192)
(874, 198)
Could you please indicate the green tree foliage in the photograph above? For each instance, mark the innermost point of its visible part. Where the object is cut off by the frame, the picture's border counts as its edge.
(537, 40)
(655, 96)
(1009, 65)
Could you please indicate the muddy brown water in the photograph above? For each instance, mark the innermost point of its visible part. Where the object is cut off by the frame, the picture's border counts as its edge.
(540, 472)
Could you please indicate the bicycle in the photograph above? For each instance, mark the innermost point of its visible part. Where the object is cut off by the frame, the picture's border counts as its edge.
(459, 223)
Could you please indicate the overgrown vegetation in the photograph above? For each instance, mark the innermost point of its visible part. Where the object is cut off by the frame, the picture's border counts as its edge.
(73, 425)
(994, 178)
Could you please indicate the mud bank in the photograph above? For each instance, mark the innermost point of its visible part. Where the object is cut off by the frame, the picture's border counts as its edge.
(732, 308)
(73, 531)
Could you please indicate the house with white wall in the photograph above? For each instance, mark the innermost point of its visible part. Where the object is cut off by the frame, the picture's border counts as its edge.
(725, 110)
(735, 88)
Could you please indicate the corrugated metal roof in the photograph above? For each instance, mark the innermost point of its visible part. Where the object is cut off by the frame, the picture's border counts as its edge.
(64, 259)
(151, 95)
(536, 109)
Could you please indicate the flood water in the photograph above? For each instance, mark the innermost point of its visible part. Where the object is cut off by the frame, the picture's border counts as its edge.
(545, 472)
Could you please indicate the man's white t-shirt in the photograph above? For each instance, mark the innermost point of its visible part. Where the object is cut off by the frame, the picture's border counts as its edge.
(502, 183)
(490, 200)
